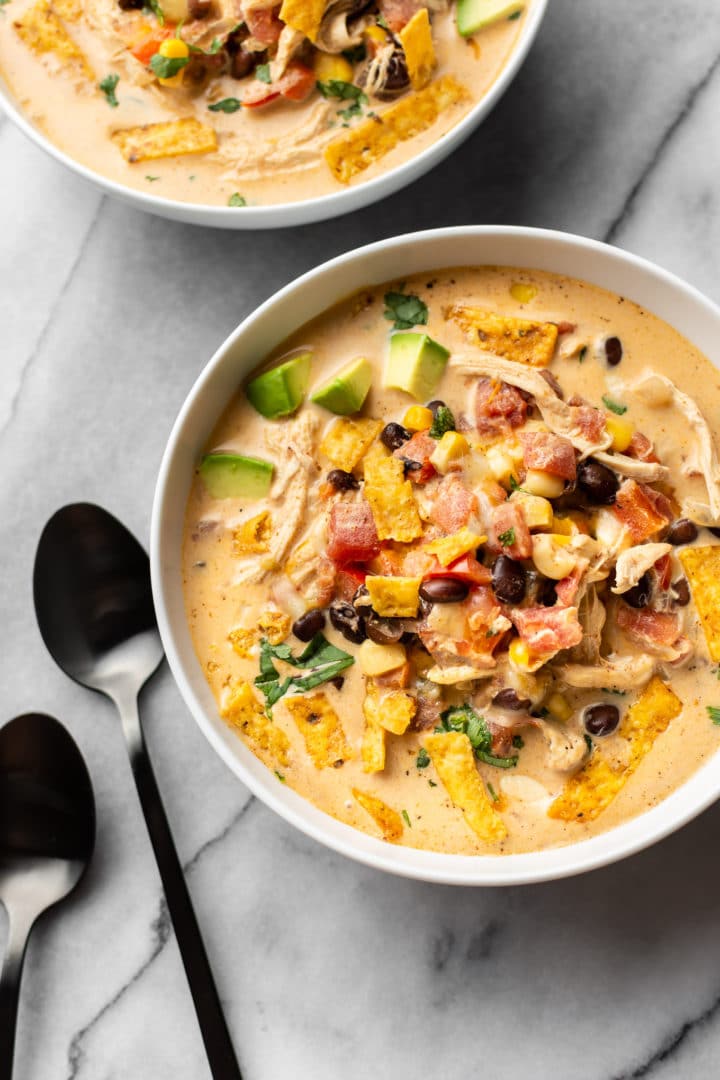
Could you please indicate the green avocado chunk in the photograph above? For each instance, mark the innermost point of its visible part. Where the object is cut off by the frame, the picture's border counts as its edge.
(279, 391)
(228, 476)
(473, 15)
(345, 392)
(415, 364)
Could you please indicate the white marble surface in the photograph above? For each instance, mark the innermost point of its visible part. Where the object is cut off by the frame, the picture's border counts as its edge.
(326, 969)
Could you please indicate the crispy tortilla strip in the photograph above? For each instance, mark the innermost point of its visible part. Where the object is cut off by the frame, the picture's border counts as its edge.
(391, 497)
(303, 15)
(186, 136)
(450, 548)
(391, 710)
(591, 790)
(274, 625)
(452, 755)
(68, 10)
(242, 710)
(43, 32)
(320, 726)
(348, 441)
(253, 537)
(388, 820)
(242, 641)
(416, 40)
(394, 597)
(520, 340)
(373, 744)
(361, 146)
(702, 566)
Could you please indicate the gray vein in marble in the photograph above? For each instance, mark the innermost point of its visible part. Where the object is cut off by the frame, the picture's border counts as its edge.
(161, 932)
(672, 1043)
(668, 134)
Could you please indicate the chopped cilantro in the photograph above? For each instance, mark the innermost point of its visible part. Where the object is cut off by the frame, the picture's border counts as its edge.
(423, 758)
(514, 486)
(507, 538)
(227, 105)
(432, 783)
(442, 421)
(714, 713)
(518, 742)
(588, 742)
(151, 179)
(236, 199)
(320, 660)
(406, 819)
(280, 776)
(582, 354)
(262, 72)
(493, 794)
(464, 719)
(167, 66)
(154, 6)
(354, 55)
(498, 762)
(405, 310)
(345, 91)
(108, 86)
(609, 690)
(515, 15)
(352, 110)
(613, 406)
(382, 22)
(4, 2)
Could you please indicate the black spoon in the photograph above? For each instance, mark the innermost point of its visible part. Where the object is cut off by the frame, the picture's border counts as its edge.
(47, 835)
(94, 607)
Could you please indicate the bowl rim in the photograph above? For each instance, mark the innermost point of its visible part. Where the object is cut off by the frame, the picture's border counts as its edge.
(306, 211)
(683, 804)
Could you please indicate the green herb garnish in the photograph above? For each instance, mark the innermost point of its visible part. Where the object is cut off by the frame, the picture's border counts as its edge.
(280, 776)
(498, 762)
(4, 2)
(381, 21)
(320, 660)
(167, 66)
(589, 743)
(406, 819)
(582, 354)
(108, 86)
(345, 91)
(609, 690)
(464, 719)
(154, 6)
(493, 795)
(227, 105)
(507, 538)
(262, 72)
(514, 486)
(515, 15)
(432, 783)
(151, 179)
(352, 110)
(714, 713)
(613, 406)
(442, 421)
(355, 55)
(236, 199)
(518, 742)
(423, 759)
(405, 310)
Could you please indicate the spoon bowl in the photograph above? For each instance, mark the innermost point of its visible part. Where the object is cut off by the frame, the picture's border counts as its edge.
(47, 836)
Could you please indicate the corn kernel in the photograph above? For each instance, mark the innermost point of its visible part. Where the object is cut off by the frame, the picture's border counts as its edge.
(560, 707)
(519, 653)
(377, 659)
(450, 447)
(174, 49)
(418, 418)
(522, 293)
(563, 526)
(501, 465)
(327, 68)
(375, 33)
(539, 482)
(622, 431)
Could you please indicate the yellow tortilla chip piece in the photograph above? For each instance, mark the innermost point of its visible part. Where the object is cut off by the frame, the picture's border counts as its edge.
(69, 10)
(43, 32)
(348, 441)
(242, 710)
(591, 790)
(394, 597)
(275, 626)
(521, 340)
(320, 726)
(452, 755)
(449, 548)
(242, 641)
(416, 40)
(702, 566)
(149, 141)
(253, 537)
(373, 744)
(391, 498)
(303, 15)
(388, 820)
(395, 710)
(361, 146)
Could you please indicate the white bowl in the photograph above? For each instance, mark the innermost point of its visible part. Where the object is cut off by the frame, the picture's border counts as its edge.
(298, 213)
(668, 297)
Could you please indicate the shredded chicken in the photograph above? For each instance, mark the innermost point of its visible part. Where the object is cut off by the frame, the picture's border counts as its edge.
(448, 676)
(615, 673)
(591, 616)
(649, 471)
(636, 561)
(290, 42)
(565, 749)
(342, 26)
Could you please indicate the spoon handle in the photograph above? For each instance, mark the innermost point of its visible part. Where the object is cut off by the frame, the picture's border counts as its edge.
(218, 1045)
(18, 931)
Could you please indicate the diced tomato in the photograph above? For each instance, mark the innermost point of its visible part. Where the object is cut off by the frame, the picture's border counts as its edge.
(352, 534)
(567, 588)
(467, 568)
(146, 48)
(498, 407)
(397, 13)
(641, 448)
(550, 453)
(297, 82)
(648, 627)
(663, 571)
(454, 504)
(508, 522)
(347, 582)
(642, 510)
(258, 93)
(264, 24)
(547, 630)
(397, 679)
(418, 449)
(589, 420)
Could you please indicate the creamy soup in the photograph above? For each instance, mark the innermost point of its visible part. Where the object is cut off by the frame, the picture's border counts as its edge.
(478, 612)
(247, 102)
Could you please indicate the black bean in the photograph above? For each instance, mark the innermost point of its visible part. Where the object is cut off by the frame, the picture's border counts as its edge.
(682, 592)
(540, 590)
(130, 5)
(715, 532)
(308, 625)
(682, 531)
(509, 699)
(639, 595)
(597, 481)
(384, 631)
(433, 406)
(348, 621)
(613, 351)
(444, 590)
(343, 481)
(338, 682)
(601, 719)
(394, 435)
(509, 580)
(410, 466)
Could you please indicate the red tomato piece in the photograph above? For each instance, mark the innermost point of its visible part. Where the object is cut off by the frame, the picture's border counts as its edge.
(264, 25)
(352, 534)
(297, 82)
(418, 449)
